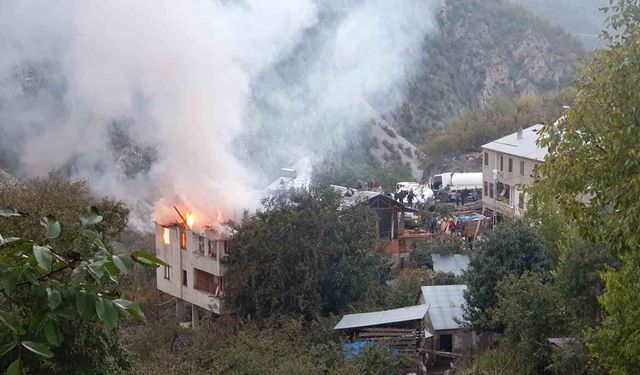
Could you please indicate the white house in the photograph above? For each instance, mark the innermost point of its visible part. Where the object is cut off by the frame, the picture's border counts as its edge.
(195, 274)
(510, 165)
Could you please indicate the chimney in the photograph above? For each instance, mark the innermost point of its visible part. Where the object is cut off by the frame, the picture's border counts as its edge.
(519, 136)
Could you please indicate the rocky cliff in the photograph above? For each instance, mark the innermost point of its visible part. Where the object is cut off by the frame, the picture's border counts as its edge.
(485, 49)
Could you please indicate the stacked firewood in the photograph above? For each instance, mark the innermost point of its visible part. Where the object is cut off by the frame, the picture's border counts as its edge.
(396, 338)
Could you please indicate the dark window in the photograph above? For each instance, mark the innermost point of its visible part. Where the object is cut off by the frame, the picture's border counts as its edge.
(522, 168)
(167, 273)
(502, 163)
(490, 190)
(184, 277)
(183, 240)
(207, 282)
(213, 252)
(446, 343)
(486, 189)
(486, 158)
(510, 165)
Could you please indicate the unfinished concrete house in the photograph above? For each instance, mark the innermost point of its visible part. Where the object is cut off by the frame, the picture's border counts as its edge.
(197, 263)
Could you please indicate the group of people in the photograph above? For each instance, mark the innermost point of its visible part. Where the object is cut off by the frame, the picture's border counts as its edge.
(462, 197)
(401, 194)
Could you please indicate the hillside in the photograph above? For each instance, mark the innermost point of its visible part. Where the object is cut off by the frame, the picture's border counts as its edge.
(581, 18)
(485, 49)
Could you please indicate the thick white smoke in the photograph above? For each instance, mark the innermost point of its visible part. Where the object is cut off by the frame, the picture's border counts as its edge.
(147, 99)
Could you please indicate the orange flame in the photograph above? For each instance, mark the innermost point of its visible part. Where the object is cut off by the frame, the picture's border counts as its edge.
(190, 220)
(166, 236)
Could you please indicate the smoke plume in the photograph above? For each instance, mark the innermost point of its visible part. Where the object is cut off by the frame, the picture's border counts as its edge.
(190, 102)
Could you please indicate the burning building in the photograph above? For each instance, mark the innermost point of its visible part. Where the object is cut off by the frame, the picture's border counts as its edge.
(197, 262)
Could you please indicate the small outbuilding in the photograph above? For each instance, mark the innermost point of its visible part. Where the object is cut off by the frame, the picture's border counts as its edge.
(402, 330)
(445, 318)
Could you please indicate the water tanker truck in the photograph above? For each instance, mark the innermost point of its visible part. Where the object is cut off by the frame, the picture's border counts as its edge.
(452, 183)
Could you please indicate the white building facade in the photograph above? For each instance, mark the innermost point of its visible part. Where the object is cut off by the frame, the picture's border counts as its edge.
(510, 164)
(197, 263)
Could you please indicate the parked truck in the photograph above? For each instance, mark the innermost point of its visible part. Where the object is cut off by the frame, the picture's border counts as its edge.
(452, 183)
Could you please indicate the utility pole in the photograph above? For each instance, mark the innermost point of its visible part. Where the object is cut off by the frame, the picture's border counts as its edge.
(495, 197)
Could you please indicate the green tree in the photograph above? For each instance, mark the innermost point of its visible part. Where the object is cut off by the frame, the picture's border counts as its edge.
(578, 279)
(303, 256)
(62, 199)
(574, 358)
(447, 278)
(592, 174)
(511, 250)
(616, 343)
(58, 293)
(530, 311)
(405, 289)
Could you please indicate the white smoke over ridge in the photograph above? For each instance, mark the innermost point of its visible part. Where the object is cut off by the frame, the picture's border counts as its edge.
(168, 87)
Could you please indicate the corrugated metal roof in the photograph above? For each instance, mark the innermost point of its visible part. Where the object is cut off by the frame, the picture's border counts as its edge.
(525, 147)
(404, 314)
(445, 305)
(455, 264)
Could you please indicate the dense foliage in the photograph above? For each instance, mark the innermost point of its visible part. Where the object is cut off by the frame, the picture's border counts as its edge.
(513, 249)
(59, 299)
(239, 347)
(593, 177)
(530, 311)
(469, 132)
(304, 256)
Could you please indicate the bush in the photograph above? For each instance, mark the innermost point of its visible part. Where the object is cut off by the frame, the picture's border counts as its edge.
(405, 289)
(493, 362)
(513, 249)
(447, 278)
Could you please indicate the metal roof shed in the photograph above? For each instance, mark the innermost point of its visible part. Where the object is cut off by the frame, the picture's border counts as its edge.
(404, 314)
(446, 303)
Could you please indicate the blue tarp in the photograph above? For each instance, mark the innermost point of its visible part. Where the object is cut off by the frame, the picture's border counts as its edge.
(471, 217)
(352, 349)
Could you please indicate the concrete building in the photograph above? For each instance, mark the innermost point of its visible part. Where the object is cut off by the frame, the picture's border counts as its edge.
(509, 166)
(197, 263)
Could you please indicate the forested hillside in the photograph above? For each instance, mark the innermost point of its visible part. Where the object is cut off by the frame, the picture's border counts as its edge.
(485, 49)
(581, 18)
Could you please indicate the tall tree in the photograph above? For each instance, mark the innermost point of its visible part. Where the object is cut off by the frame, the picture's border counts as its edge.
(530, 311)
(592, 171)
(511, 250)
(303, 256)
